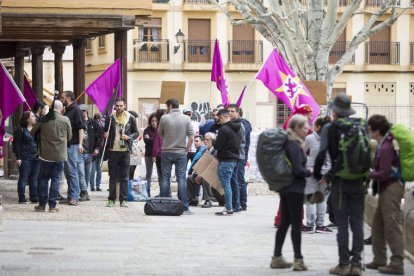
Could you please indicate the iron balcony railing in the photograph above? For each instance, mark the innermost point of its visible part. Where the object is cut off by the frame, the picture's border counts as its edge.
(382, 52)
(161, 1)
(151, 51)
(198, 51)
(342, 3)
(411, 52)
(396, 114)
(245, 51)
(338, 50)
(376, 3)
(204, 2)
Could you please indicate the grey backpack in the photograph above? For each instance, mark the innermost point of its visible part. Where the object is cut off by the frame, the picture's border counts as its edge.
(271, 158)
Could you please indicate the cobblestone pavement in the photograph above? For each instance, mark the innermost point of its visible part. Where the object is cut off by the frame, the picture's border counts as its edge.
(91, 239)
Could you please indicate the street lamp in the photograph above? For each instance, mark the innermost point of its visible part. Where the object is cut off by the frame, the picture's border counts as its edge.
(180, 39)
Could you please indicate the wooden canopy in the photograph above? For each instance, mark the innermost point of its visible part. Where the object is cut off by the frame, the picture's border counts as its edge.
(66, 20)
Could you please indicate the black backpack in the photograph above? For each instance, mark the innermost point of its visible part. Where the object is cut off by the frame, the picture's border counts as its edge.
(273, 164)
(354, 158)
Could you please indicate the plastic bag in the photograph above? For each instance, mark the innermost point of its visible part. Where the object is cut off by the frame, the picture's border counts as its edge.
(137, 190)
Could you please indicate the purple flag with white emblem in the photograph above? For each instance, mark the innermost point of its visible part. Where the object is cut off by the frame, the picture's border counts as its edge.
(285, 84)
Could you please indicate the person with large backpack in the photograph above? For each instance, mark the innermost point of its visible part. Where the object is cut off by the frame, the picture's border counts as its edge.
(292, 193)
(387, 224)
(346, 140)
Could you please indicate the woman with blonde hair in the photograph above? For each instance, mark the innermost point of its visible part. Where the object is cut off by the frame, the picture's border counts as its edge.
(291, 196)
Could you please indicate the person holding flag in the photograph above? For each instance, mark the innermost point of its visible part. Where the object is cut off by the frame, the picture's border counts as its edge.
(120, 131)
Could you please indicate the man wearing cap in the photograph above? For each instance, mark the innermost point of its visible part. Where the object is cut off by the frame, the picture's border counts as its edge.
(347, 195)
(91, 142)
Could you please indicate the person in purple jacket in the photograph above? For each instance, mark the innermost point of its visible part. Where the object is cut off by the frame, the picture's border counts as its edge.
(386, 224)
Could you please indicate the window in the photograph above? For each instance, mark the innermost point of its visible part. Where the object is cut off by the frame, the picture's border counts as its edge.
(199, 43)
(149, 45)
(101, 41)
(88, 44)
(242, 47)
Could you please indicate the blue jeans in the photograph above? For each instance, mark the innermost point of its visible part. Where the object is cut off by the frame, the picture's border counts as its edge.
(235, 187)
(72, 171)
(224, 172)
(180, 162)
(85, 172)
(52, 171)
(241, 169)
(96, 169)
(28, 172)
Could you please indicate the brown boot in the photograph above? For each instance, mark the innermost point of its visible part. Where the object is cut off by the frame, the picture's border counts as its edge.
(355, 271)
(299, 265)
(279, 262)
(373, 265)
(340, 269)
(392, 269)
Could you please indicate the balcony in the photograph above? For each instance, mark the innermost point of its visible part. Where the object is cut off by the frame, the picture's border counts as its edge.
(151, 51)
(376, 3)
(245, 51)
(202, 2)
(160, 1)
(338, 50)
(342, 3)
(382, 53)
(412, 53)
(198, 51)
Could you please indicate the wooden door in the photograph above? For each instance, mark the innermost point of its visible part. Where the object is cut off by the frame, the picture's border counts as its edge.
(199, 44)
(242, 46)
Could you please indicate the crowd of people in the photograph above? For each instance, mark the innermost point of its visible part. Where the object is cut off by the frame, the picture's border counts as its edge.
(67, 139)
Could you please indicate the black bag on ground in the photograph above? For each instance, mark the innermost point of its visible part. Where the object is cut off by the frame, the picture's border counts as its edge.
(163, 206)
(271, 158)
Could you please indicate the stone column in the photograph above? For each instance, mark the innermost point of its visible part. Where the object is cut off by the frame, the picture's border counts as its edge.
(121, 52)
(37, 69)
(58, 49)
(79, 46)
(21, 52)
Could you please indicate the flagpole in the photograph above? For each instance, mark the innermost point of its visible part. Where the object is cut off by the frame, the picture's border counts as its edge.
(80, 95)
(109, 126)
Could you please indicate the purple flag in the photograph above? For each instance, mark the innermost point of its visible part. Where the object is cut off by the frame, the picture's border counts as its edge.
(101, 89)
(10, 99)
(29, 94)
(241, 97)
(217, 75)
(285, 84)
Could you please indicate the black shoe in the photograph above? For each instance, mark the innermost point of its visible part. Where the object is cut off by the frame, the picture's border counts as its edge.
(193, 202)
(98, 189)
(244, 208)
(92, 189)
(368, 241)
(207, 204)
(236, 210)
(60, 197)
(23, 201)
(64, 200)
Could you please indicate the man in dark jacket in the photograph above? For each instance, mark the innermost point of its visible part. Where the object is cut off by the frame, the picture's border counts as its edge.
(120, 130)
(91, 144)
(227, 145)
(75, 148)
(347, 195)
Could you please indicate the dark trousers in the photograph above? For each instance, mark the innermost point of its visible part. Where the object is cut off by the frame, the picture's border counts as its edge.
(118, 165)
(291, 206)
(132, 171)
(235, 187)
(348, 205)
(28, 172)
(49, 171)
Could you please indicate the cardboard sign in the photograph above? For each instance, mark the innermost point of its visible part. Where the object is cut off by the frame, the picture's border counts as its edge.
(318, 90)
(206, 167)
(172, 90)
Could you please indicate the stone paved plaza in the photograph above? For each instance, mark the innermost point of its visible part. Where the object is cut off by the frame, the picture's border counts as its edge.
(94, 240)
